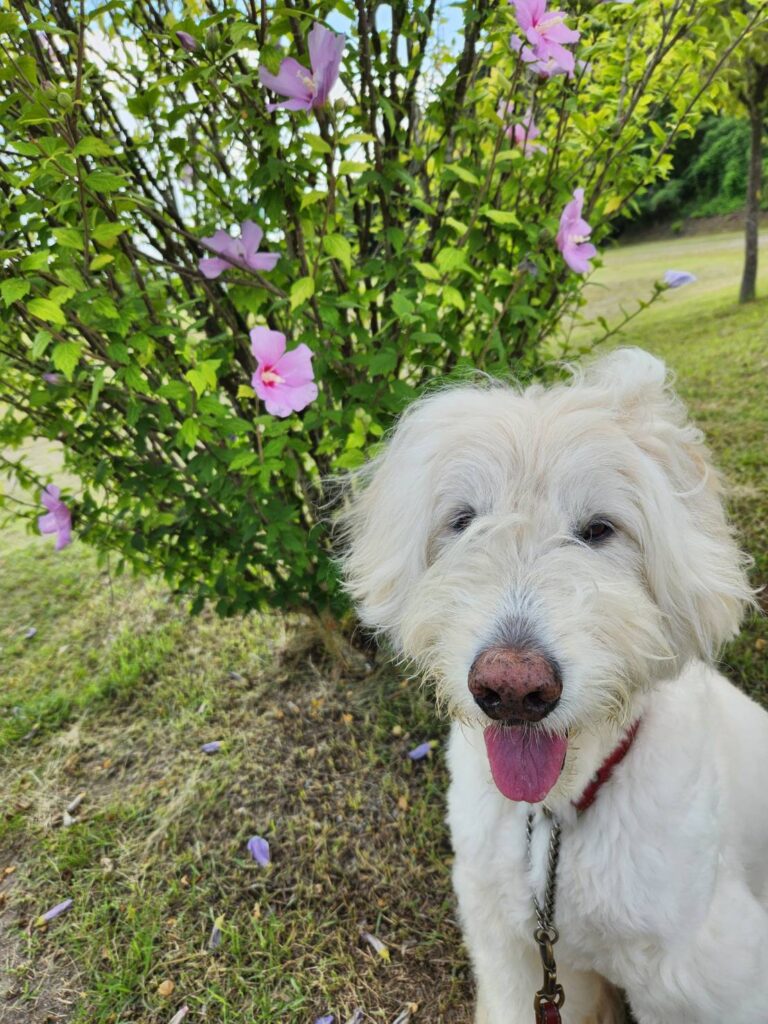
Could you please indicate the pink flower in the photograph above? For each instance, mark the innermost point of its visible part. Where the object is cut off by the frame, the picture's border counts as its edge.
(284, 381)
(547, 35)
(545, 68)
(573, 236)
(237, 252)
(521, 134)
(307, 89)
(59, 518)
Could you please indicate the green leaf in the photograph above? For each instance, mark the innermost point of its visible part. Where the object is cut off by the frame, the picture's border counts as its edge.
(46, 310)
(91, 146)
(66, 356)
(463, 174)
(502, 217)
(401, 305)
(101, 260)
(41, 342)
(106, 234)
(187, 436)
(203, 376)
(383, 362)
(71, 277)
(427, 270)
(118, 351)
(197, 380)
(174, 390)
(458, 226)
(61, 294)
(312, 197)
(103, 306)
(351, 459)
(13, 289)
(450, 259)
(36, 260)
(244, 391)
(453, 297)
(68, 238)
(243, 459)
(317, 144)
(105, 181)
(301, 290)
(357, 137)
(353, 167)
(339, 248)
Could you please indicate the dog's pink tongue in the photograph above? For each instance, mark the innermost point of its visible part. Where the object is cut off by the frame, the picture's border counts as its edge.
(525, 763)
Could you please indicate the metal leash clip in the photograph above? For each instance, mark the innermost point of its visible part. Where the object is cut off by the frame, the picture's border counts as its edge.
(550, 997)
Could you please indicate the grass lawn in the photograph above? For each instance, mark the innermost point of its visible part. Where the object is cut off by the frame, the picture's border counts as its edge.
(116, 691)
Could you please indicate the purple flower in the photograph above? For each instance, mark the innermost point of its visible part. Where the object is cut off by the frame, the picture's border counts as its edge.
(60, 908)
(679, 278)
(419, 753)
(59, 518)
(327, 1019)
(547, 35)
(258, 847)
(573, 236)
(240, 252)
(284, 381)
(306, 89)
(211, 748)
(187, 174)
(30, 633)
(188, 42)
(522, 133)
(53, 378)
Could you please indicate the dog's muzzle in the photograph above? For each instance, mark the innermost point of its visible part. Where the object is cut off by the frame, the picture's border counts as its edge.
(515, 685)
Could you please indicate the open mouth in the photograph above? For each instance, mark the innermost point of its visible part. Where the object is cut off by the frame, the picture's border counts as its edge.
(525, 762)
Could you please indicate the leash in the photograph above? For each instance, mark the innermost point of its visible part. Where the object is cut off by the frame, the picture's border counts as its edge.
(550, 998)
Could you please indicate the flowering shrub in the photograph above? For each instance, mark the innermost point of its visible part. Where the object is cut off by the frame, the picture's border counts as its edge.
(410, 205)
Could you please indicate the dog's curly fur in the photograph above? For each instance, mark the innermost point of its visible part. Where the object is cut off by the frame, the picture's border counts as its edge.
(464, 533)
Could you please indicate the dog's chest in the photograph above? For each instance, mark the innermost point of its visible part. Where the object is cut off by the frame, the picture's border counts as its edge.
(613, 891)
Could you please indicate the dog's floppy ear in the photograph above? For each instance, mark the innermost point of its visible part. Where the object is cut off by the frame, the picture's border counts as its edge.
(384, 524)
(695, 570)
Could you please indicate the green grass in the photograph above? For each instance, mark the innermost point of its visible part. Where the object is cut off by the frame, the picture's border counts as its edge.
(118, 688)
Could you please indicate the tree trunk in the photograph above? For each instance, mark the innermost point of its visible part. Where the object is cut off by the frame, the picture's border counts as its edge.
(749, 280)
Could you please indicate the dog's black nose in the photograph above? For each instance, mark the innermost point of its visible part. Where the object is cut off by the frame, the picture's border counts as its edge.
(515, 685)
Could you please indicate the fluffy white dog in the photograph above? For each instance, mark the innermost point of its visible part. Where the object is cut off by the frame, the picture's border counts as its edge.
(558, 561)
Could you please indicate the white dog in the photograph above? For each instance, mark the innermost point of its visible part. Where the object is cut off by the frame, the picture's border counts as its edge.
(558, 561)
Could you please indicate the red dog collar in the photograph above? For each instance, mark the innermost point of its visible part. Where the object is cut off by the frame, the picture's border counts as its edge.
(606, 770)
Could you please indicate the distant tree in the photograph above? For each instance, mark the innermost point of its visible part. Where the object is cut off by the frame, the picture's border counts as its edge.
(754, 95)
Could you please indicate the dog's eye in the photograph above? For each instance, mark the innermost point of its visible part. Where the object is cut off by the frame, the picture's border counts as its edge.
(596, 532)
(461, 519)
